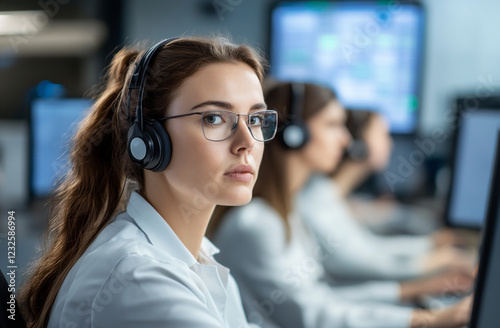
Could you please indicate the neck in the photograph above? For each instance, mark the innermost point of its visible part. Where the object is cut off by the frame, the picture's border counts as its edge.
(349, 175)
(298, 173)
(187, 217)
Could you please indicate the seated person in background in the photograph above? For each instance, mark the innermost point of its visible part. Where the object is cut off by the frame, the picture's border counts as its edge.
(150, 265)
(369, 151)
(279, 266)
(361, 254)
(369, 154)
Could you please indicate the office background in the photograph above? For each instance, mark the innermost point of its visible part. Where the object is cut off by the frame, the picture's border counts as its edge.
(71, 47)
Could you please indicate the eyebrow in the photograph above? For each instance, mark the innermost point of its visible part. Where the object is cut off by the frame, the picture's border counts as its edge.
(226, 105)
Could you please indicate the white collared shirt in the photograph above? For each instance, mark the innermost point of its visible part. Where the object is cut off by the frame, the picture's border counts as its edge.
(360, 254)
(284, 283)
(137, 273)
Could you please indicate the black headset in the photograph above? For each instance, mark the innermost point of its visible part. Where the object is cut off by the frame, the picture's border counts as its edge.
(294, 134)
(148, 143)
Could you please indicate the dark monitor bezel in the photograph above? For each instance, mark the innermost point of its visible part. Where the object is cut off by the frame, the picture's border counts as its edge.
(488, 235)
(462, 106)
(421, 64)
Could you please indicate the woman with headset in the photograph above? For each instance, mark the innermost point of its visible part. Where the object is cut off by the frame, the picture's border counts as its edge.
(369, 151)
(184, 123)
(278, 264)
(363, 254)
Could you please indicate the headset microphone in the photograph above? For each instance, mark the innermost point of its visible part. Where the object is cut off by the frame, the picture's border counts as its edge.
(357, 150)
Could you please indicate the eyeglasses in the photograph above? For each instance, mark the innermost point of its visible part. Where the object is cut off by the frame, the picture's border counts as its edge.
(220, 125)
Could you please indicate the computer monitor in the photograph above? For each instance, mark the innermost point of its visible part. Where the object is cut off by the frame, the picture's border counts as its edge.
(487, 289)
(472, 162)
(370, 52)
(53, 123)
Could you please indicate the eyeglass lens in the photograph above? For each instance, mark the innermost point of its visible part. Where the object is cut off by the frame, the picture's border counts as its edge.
(220, 125)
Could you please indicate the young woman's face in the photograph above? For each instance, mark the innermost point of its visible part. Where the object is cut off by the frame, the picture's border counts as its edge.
(329, 138)
(206, 172)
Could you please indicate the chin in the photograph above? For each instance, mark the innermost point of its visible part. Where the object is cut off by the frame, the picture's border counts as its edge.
(327, 168)
(237, 197)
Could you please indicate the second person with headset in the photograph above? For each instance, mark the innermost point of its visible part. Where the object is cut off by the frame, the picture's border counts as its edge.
(280, 268)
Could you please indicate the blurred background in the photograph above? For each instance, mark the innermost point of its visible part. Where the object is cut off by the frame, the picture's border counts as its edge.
(52, 52)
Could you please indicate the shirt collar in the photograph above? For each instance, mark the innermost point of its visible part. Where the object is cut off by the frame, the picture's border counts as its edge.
(209, 248)
(160, 234)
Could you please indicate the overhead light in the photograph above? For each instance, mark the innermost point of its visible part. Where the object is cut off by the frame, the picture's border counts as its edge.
(22, 22)
(58, 38)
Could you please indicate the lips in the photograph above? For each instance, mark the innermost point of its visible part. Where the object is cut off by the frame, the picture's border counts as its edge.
(241, 173)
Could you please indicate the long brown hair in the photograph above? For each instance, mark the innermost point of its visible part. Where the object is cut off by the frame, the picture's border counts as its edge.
(272, 184)
(358, 120)
(357, 123)
(91, 193)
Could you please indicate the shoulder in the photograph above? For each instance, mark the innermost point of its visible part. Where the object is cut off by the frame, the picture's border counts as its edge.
(249, 226)
(319, 189)
(146, 291)
(256, 215)
(148, 273)
(121, 247)
(320, 182)
(123, 270)
(122, 237)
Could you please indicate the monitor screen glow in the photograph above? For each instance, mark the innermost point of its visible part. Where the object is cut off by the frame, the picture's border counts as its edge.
(369, 52)
(473, 168)
(53, 124)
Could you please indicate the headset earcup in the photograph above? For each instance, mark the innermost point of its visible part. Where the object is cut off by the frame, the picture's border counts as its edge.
(358, 150)
(294, 135)
(148, 143)
(136, 145)
(150, 148)
(161, 146)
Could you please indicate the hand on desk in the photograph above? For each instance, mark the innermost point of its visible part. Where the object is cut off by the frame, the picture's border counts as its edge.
(457, 315)
(448, 258)
(447, 237)
(446, 283)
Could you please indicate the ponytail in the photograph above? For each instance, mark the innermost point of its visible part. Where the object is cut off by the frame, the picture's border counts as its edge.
(89, 195)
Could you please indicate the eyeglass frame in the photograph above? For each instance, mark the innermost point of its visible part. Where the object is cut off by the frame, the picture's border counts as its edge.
(166, 118)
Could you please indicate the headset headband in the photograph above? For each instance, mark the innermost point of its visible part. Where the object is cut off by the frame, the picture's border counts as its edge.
(297, 101)
(138, 80)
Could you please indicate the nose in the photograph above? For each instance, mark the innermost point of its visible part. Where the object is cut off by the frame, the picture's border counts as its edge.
(242, 138)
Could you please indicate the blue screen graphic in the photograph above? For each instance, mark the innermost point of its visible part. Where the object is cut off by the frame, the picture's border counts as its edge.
(53, 124)
(474, 159)
(370, 53)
